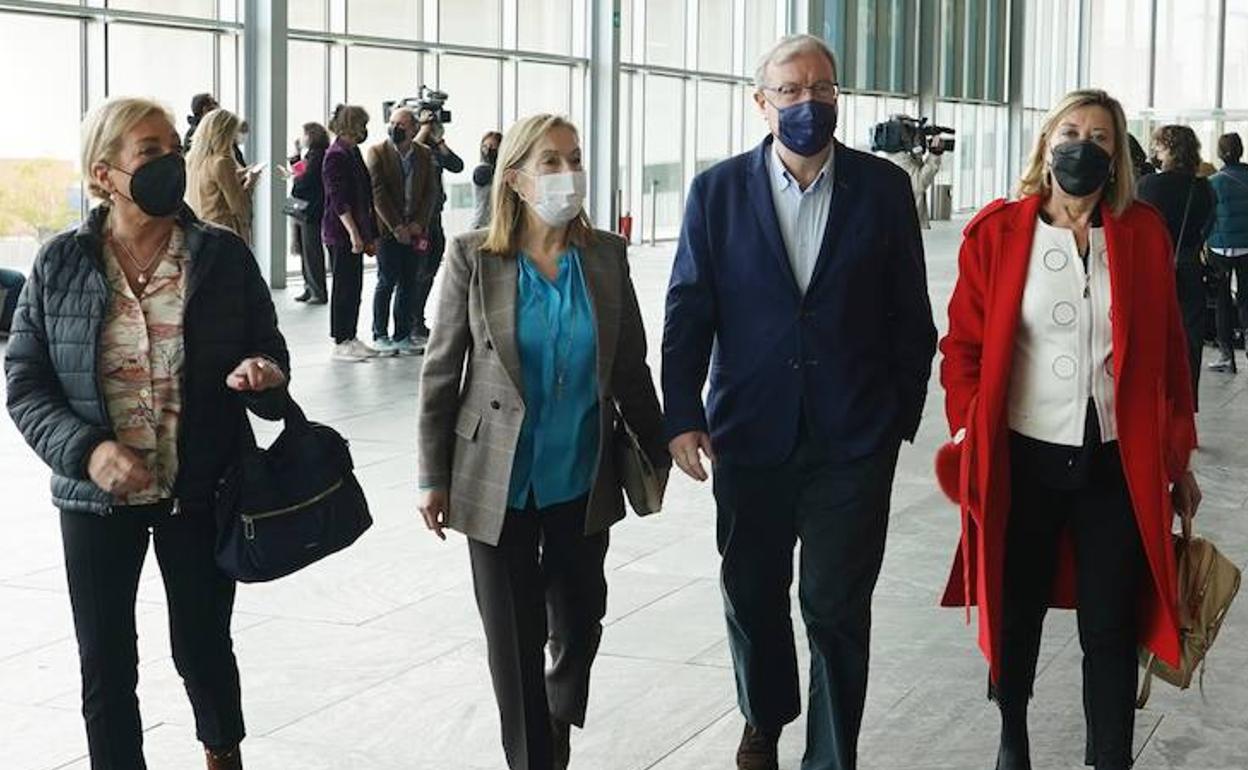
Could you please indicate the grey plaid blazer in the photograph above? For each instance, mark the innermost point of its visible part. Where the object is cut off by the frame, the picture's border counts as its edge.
(471, 397)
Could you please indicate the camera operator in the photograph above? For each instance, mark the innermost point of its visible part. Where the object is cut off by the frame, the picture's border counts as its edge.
(922, 168)
(431, 136)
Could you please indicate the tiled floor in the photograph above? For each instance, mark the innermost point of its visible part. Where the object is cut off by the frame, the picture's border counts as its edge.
(374, 658)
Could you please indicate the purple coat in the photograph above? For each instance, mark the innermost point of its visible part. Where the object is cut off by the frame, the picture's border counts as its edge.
(348, 187)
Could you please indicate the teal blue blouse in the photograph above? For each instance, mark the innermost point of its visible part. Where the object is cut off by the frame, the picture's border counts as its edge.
(557, 452)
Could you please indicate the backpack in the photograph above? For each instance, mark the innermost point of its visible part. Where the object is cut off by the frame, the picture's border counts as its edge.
(1208, 582)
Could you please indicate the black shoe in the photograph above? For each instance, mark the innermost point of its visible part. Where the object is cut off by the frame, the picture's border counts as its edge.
(307, 295)
(316, 300)
(758, 749)
(1223, 365)
(561, 734)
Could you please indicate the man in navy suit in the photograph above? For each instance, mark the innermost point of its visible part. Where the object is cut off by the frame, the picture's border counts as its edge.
(799, 282)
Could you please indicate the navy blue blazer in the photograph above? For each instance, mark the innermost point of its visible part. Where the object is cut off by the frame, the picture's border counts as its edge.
(852, 356)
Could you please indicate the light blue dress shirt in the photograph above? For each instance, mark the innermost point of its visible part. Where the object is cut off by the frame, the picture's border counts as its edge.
(802, 214)
(557, 452)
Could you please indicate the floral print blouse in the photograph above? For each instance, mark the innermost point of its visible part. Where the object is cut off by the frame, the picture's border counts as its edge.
(141, 361)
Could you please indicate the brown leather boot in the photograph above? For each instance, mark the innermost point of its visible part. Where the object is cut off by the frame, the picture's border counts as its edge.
(226, 759)
(758, 749)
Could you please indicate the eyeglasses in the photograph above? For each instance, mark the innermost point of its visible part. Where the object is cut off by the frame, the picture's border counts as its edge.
(786, 94)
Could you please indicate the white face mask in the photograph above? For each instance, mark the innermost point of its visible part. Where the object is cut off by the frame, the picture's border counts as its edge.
(558, 198)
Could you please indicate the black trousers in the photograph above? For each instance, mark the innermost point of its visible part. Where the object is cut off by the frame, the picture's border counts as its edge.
(542, 584)
(1190, 282)
(312, 250)
(103, 559)
(344, 304)
(1232, 311)
(396, 278)
(838, 511)
(427, 271)
(1109, 564)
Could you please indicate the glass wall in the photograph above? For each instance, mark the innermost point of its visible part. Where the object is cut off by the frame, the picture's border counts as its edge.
(495, 59)
(686, 97)
(46, 57)
(1168, 72)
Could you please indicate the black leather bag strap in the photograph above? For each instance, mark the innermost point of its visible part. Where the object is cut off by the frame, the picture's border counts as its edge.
(1187, 209)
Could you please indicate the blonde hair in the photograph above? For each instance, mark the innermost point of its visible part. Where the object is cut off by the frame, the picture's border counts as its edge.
(1120, 189)
(106, 127)
(214, 137)
(506, 207)
(349, 120)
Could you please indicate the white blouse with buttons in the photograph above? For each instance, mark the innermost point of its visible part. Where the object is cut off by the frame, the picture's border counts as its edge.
(1063, 351)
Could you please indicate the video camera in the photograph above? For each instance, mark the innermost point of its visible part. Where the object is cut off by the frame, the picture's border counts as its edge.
(431, 101)
(902, 133)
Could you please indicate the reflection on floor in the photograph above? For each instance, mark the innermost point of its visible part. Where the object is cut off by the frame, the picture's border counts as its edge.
(375, 660)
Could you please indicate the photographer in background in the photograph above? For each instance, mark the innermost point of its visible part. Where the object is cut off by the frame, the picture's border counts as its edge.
(431, 137)
(916, 147)
(483, 180)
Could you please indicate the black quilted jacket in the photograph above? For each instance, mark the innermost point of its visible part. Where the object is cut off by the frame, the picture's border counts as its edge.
(54, 393)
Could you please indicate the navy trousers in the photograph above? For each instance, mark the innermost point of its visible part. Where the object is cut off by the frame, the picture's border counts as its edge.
(838, 512)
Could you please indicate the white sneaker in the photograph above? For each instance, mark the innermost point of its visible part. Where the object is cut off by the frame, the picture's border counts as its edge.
(343, 351)
(360, 349)
(408, 348)
(384, 346)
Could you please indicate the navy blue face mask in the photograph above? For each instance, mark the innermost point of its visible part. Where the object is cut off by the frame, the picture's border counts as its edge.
(806, 128)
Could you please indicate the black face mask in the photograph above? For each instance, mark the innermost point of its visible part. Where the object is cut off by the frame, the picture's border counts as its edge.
(489, 156)
(158, 186)
(398, 134)
(1081, 168)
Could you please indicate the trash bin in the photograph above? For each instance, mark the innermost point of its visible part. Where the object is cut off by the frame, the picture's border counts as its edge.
(942, 202)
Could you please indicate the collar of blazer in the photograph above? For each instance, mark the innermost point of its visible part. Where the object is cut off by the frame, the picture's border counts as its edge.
(604, 279)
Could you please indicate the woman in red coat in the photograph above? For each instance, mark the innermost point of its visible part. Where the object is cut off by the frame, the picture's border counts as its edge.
(1067, 392)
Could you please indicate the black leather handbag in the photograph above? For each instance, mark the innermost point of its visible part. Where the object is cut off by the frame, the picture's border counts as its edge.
(282, 508)
(296, 208)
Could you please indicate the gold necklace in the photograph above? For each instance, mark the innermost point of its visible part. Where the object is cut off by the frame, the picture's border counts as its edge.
(143, 268)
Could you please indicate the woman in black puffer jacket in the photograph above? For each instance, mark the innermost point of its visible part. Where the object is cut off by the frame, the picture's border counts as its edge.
(138, 343)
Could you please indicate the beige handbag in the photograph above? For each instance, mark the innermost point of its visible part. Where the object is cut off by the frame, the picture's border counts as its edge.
(1208, 582)
(643, 483)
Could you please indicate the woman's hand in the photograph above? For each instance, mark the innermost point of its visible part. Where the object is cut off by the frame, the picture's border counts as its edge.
(255, 375)
(117, 469)
(1186, 495)
(357, 245)
(434, 504)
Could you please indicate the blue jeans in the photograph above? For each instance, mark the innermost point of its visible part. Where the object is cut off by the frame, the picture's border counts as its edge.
(396, 276)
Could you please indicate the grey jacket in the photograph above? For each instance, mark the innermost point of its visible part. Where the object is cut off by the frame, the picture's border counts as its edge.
(471, 398)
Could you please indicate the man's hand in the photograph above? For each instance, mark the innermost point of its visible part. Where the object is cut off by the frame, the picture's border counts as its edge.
(255, 375)
(117, 469)
(403, 235)
(685, 450)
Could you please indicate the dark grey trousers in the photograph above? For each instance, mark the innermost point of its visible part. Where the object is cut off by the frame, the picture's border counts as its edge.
(838, 511)
(542, 584)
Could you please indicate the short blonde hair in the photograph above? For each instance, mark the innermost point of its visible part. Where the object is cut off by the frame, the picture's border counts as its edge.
(349, 120)
(215, 137)
(506, 207)
(106, 127)
(1120, 189)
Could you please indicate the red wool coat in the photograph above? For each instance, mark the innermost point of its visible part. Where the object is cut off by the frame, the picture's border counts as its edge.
(1153, 406)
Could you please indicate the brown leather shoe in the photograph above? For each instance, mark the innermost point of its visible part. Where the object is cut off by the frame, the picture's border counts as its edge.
(758, 749)
(228, 759)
